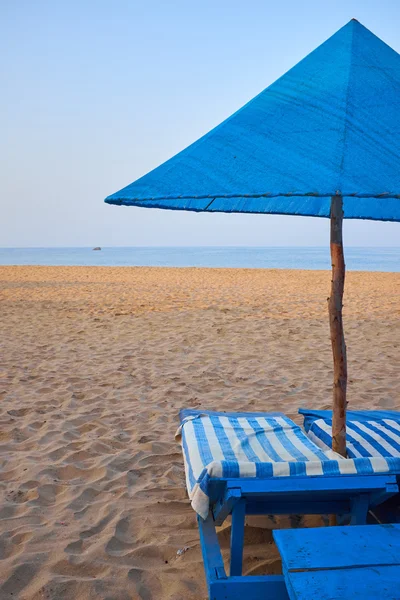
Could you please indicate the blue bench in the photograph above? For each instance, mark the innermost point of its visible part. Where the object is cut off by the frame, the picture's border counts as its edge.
(350, 563)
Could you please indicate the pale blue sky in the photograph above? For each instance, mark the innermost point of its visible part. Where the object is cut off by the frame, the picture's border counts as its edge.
(96, 93)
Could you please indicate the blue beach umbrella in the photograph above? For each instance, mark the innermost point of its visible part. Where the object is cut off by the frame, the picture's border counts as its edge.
(323, 140)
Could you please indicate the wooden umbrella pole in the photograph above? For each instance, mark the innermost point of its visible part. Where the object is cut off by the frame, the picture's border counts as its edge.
(336, 327)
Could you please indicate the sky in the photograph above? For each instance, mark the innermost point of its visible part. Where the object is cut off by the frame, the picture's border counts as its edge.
(97, 93)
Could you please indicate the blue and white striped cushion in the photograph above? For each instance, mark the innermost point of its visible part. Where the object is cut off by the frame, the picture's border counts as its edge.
(261, 445)
(363, 438)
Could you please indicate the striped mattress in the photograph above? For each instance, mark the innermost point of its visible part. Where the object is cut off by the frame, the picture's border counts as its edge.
(262, 445)
(368, 433)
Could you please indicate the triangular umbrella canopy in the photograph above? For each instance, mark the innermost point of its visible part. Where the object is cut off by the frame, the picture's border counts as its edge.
(330, 125)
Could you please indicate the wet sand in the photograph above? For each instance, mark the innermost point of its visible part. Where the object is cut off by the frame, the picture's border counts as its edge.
(96, 363)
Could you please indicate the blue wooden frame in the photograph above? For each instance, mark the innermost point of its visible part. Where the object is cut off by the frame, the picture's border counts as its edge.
(357, 562)
(345, 494)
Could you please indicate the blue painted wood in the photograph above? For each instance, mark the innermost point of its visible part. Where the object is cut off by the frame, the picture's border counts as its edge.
(341, 562)
(287, 507)
(391, 489)
(339, 547)
(368, 583)
(226, 503)
(305, 485)
(381, 487)
(221, 587)
(388, 511)
(308, 495)
(359, 509)
(267, 587)
(212, 557)
(299, 495)
(237, 537)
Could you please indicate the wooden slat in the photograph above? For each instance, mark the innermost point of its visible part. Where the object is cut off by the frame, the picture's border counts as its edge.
(212, 557)
(237, 537)
(339, 547)
(305, 485)
(359, 509)
(368, 583)
(282, 506)
(380, 486)
(252, 587)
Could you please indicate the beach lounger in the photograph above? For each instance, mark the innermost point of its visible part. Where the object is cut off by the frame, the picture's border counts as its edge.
(373, 433)
(262, 463)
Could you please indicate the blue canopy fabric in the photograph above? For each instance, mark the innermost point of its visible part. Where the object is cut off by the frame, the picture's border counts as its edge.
(330, 125)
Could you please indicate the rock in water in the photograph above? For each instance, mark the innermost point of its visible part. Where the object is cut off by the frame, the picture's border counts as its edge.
(97, 248)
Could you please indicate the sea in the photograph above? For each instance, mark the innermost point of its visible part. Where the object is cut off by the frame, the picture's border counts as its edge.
(357, 259)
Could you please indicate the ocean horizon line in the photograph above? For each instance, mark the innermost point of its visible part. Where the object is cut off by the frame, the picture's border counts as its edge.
(358, 258)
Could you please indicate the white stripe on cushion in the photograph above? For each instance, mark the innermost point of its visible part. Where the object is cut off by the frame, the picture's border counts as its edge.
(253, 441)
(372, 451)
(391, 434)
(240, 454)
(393, 424)
(193, 449)
(274, 440)
(323, 425)
(317, 441)
(302, 447)
(212, 439)
(382, 442)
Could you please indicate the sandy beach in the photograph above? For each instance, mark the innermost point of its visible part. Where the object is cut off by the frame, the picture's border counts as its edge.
(96, 363)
